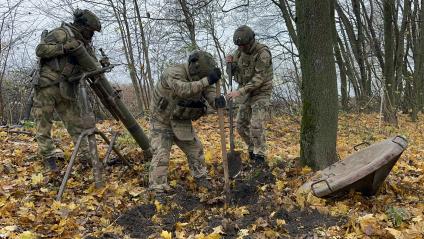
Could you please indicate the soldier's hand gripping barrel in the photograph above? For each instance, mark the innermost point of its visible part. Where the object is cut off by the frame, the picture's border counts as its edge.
(110, 98)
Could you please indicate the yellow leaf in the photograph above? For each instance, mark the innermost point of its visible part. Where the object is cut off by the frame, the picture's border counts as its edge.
(17, 152)
(208, 156)
(213, 236)
(27, 235)
(3, 135)
(173, 183)
(241, 211)
(280, 185)
(135, 191)
(269, 233)
(166, 235)
(217, 230)
(242, 233)
(306, 170)
(395, 233)
(281, 222)
(369, 224)
(158, 206)
(180, 225)
(10, 228)
(37, 179)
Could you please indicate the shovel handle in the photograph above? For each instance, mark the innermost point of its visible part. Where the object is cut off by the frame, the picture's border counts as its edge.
(223, 143)
(230, 106)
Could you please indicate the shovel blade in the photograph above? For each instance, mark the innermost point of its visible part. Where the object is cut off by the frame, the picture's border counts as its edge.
(234, 164)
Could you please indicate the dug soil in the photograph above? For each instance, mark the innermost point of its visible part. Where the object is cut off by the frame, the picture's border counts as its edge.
(251, 195)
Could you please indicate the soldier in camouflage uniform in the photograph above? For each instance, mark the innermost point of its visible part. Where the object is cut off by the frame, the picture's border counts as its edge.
(178, 99)
(53, 92)
(252, 67)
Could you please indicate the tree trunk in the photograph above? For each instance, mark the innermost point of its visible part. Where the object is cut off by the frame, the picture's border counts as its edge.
(126, 41)
(285, 11)
(319, 83)
(389, 71)
(144, 46)
(419, 64)
(343, 80)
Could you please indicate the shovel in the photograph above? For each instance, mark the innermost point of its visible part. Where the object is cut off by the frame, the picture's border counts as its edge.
(233, 157)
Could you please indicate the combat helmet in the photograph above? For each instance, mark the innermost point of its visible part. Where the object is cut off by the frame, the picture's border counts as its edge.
(243, 35)
(201, 63)
(88, 19)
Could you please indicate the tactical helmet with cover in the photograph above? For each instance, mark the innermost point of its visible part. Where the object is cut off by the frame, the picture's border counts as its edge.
(87, 19)
(243, 35)
(201, 63)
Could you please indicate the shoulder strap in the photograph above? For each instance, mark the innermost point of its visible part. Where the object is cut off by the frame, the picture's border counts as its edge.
(68, 30)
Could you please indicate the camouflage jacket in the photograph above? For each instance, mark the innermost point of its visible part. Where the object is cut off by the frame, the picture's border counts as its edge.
(176, 86)
(254, 71)
(53, 58)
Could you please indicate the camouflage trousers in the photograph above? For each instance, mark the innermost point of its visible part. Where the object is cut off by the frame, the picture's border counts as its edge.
(46, 101)
(162, 139)
(250, 121)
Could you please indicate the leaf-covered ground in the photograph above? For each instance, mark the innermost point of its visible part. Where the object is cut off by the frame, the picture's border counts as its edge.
(264, 203)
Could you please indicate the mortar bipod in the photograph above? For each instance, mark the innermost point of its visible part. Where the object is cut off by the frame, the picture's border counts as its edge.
(90, 134)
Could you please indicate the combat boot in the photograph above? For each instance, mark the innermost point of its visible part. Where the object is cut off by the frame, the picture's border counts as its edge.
(161, 197)
(50, 164)
(203, 182)
(259, 161)
(251, 155)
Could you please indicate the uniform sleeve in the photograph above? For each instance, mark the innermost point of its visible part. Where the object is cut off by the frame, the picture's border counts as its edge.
(52, 45)
(184, 89)
(210, 93)
(263, 62)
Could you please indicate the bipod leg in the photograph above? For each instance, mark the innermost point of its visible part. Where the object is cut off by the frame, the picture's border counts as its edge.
(109, 149)
(113, 147)
(71, 164)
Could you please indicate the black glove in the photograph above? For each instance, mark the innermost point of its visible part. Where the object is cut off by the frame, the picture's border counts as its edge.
(220, 102)
(214, 75)
(104, 61)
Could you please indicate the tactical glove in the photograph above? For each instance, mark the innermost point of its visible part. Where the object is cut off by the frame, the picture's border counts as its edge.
(70, 45)
(214, 75)
(220, 102)
(104, 61)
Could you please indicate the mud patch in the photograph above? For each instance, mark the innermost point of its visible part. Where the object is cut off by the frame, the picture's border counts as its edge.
(303, 222)
(245, 189)
(137, 221)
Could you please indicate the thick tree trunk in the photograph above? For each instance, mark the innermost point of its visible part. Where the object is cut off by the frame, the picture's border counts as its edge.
(389, 111)
(419, 65)
(319, 83)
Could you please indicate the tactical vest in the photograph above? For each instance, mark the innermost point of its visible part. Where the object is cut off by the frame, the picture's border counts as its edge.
(54, 68)
(167, 106)
(246, 64)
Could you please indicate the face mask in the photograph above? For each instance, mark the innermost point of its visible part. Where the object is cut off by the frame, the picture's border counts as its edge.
(87, 34)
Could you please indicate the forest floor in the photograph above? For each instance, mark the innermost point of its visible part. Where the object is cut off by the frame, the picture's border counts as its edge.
(264, 202)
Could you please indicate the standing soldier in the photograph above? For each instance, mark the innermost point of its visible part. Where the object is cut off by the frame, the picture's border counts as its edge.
(178, 99)
(252, 67)
(53, 91)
